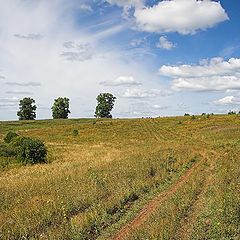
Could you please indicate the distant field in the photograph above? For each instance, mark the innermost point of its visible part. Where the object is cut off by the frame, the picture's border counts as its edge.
(162, 178)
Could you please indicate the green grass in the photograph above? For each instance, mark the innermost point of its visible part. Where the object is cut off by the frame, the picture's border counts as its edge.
(97, 180)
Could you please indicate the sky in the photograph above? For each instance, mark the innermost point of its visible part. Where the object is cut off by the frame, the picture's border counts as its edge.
(159, 58)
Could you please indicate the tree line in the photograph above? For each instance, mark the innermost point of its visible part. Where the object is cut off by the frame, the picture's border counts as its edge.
(61, 107)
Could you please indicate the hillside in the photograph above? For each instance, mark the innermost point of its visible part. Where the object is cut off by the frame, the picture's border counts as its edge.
(162, 178)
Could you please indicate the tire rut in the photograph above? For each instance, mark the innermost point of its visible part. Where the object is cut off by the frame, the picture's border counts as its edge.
(187, 226)
(153, 205)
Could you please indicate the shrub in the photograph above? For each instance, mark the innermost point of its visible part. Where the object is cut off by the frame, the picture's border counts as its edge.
(7, 151)
(10, 136)
(31, 151)
(75, 132)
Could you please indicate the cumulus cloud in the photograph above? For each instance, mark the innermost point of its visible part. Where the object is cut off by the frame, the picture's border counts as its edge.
(213, 75)
(216, 83)
(182, 16)
(30, 36)
(164, 43)
(228, 100)
(213, 67)
(141, 93)
(122, 81)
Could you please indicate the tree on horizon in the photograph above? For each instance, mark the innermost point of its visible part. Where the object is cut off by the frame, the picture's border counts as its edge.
(60, 108)
(105, 104)
(27, 109)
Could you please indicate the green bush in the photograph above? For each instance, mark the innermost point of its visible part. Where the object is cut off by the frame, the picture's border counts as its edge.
(10, 136)
(31, 151)
(75, 132)
(7, 151)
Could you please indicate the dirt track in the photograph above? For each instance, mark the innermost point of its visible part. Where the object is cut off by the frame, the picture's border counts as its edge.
(153, 204)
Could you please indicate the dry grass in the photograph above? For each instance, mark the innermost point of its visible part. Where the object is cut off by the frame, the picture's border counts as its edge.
(97, 180)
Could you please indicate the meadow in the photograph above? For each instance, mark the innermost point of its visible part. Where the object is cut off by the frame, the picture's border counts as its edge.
(183, 172)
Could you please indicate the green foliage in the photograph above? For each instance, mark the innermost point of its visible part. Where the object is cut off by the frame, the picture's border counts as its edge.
(193, 117)
(75, 132)
(132, 197)
(186, 114)
(89, 185)
(10, 136)
(231, 113)
(27, 109)
(60, 108)
(7, 150)
(31, 151)
(105, 103)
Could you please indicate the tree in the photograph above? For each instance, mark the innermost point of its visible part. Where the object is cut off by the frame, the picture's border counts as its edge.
(60, 108)
(105, 103)
(27, 109)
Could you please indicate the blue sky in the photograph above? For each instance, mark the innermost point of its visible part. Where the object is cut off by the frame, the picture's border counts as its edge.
(159, 58)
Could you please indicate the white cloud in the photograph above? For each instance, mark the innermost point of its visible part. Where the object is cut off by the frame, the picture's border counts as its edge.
(17, 92)
(30, 36)
(137, 42)
(24, 84)
(164, 43)
(141, 93)
(8, 102)
(38, 66)
(213, 75)
(228, 100)
(85, 7)
(158, 107)
(81, 52)
(214, 67)
(182, 16)
(122, 81)
(123, 3)
(215, 83)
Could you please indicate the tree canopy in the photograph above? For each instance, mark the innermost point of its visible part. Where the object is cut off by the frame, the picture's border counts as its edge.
(60, 108)
(27, 109)
(105, 103)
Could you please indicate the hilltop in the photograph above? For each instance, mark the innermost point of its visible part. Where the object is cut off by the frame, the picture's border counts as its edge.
(162, 178)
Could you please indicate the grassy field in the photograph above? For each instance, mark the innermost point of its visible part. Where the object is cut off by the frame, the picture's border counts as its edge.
(98, 181)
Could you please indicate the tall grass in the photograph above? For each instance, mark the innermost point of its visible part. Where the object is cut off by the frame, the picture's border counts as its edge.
(96, 179)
